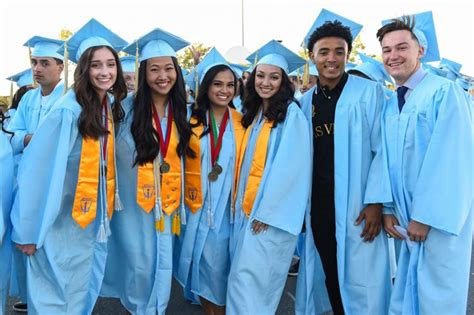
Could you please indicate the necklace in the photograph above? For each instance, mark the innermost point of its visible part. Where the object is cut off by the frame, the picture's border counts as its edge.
(325, 95)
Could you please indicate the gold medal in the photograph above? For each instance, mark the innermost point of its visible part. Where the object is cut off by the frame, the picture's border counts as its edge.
(212, 176)
(217, 168)
(164, 167)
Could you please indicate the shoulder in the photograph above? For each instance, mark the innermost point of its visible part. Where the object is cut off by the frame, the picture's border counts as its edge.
(67, 103)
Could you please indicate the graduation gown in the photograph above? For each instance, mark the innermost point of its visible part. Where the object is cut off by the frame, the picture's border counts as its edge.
(26, 120)
(260, 263)
(6, 196)
(139, 264)
(202, 261)
(65, 273)
(361, 178)
(30, 114)
(430, 146)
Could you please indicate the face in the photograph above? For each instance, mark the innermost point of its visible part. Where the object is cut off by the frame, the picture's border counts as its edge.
(268, 80)
(160, 75)
(245, 76)
(222, 89)
(129, 78)
(401, 55)
(103, 70)
(294, 82)
(330, 55)
(311, 82)
(46, 71)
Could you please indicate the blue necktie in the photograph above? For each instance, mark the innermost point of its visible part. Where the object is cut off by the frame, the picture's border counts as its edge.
(401, 91)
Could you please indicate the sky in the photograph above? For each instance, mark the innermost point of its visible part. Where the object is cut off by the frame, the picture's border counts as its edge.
(219, 23)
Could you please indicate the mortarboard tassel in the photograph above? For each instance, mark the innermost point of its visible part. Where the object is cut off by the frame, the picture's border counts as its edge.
(66, 71)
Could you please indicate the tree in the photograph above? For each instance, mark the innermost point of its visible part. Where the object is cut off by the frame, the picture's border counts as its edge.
(194, 53)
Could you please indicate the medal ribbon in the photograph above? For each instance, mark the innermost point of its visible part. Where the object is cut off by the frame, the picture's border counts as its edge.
(216, 147)
(164, 143)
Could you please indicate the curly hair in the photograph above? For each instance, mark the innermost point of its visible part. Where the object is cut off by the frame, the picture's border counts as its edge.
(143, 132)
(331, 29)
(278, 103)
(90, 119)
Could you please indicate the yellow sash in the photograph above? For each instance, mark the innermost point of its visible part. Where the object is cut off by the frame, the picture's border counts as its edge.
(170, 182)
(193, 190)
(256, 168)
(84, 209)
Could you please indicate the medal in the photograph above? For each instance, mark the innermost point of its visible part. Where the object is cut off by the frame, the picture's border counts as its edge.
(217, 168)
(212, 176)
(164, 167)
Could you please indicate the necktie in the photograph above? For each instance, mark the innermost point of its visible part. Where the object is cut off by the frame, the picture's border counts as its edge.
(401, 91)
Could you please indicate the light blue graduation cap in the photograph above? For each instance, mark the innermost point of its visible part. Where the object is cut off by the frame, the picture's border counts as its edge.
(434, 70)
(239, 69)
(426, 34)
(92, 34)
(274, 53)
(128, 63)
(452, 68)
(325, 16)
(22, 78)
(374, 69)
(44, 47)
(157, 43)
(350, 65)
(213, 58)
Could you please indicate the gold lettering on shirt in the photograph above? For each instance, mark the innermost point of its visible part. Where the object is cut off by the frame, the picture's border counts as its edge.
(323, 130)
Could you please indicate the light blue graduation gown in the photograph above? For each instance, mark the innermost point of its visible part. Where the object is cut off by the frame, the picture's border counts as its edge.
(237, 101)
(139, 264)
(65, 273)
(430, 147)
(26, 120)
(9, 116)
(361, 178)
(30, 114)
(202, 259)
(260, 263)
(6, 196)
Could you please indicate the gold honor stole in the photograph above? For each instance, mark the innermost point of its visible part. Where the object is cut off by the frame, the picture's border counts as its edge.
(171, 181)
(193, 186)
(256, 168)
(84, 209)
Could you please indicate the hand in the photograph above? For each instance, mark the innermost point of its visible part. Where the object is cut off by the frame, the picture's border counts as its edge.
(372, 214)
(389, 220)
(28, 249)
(27, 139)
(417, 231)
(196, 55)
(258, 227)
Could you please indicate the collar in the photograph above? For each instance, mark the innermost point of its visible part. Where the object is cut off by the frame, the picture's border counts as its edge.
(414, 79)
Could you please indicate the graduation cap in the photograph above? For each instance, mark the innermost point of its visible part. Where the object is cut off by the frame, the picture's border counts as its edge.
(325, 16)
(128, 63)
(92, 34)
(239, 69)
(374, 69)
(426, 34)
(213, 58)
(22, 78)
(274, 53)
(452, 68)
(44, 47)
(350, 65)
(157, 43)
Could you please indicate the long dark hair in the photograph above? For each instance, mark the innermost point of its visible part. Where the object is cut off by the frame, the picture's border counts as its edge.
(144, 134)
(18, 95)
(90, 120)
(3, 118)
(203, 103)
(278, 103)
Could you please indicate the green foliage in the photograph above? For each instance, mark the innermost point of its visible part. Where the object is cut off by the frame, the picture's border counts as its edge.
(187, 56)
